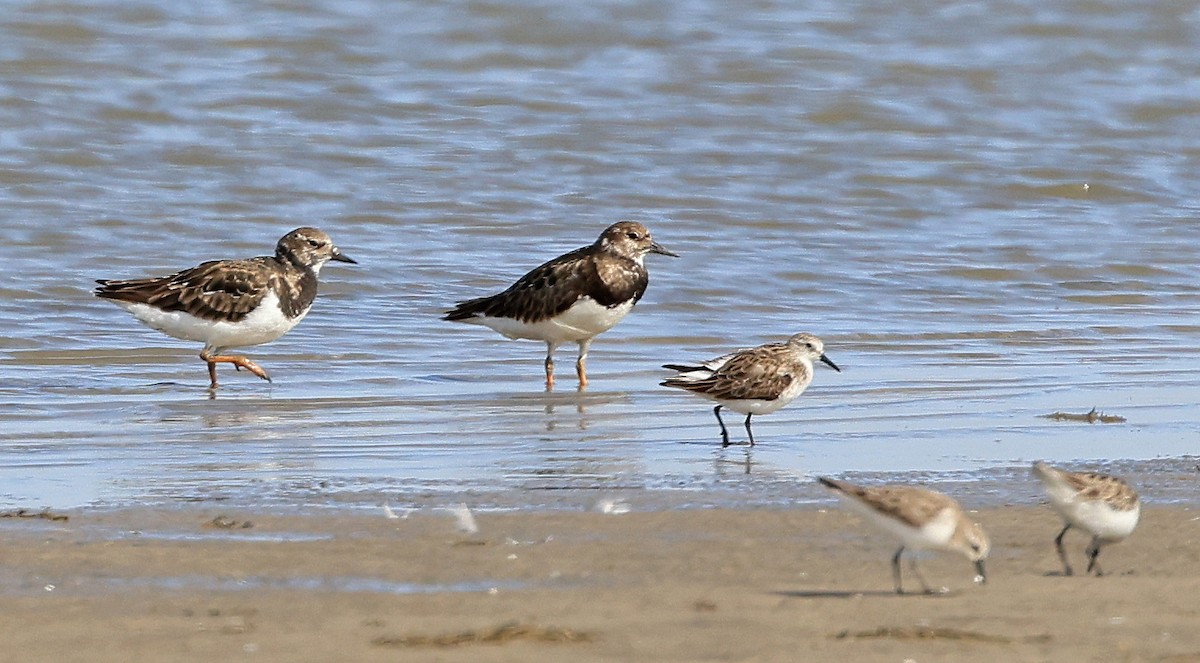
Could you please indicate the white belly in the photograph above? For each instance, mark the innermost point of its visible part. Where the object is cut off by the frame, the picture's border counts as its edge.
(265, 323)
(748, 405)
(1098, 518)
(582, 321)
(933, 535)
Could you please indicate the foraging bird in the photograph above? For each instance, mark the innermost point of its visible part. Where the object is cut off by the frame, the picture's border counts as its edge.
(231, 303)
(1104, 506)
(753, 381)
(571, 298)
(922, 519)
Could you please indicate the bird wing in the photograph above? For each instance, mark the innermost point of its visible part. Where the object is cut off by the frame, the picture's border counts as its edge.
(761, 373)
(909, 504)
(215, 290)
(555, 286)
(1104, 487)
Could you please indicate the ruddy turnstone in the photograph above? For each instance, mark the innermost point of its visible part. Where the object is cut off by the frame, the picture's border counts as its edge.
(922, 520)
(1101, 505)
(753, 381)
(573, 297)
(231, 303)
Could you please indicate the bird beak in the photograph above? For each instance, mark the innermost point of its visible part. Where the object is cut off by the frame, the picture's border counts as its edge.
(337, 255)
(655, 247)
(982, 573)
(831, 364)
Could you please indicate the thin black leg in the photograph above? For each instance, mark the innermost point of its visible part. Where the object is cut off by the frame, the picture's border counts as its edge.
(748, 431)
(1062, 554)
(912, 563)
(981, 571)
(1093, 552)
(724, 433)
(896, 570)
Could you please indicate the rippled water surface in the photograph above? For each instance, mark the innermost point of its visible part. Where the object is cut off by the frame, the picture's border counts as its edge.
(986, 209)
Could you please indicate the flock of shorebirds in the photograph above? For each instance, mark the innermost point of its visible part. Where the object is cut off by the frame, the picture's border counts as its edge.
(228, 304)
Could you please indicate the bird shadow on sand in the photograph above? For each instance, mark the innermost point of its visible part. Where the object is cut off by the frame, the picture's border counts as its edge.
(856, 594)
(1062, 574)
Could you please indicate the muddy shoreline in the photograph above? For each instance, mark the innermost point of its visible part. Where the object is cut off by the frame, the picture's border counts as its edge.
(673, 585)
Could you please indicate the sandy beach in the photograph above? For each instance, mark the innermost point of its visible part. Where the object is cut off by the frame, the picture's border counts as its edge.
(987, 212)
(806, 584)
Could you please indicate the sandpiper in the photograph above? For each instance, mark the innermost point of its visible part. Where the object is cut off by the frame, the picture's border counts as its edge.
(571, 298)
(753, 381)
(231, 303)
(1104, 506)
(922, 519)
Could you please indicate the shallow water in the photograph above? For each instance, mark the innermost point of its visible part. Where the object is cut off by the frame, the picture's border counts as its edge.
(986, 210)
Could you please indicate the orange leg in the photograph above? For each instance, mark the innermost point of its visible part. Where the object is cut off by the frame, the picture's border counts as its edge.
(581, 363)
(581, 371)
(550, 366)
(239, 362)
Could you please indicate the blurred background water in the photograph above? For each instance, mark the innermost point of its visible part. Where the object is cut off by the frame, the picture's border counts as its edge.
(986, 209)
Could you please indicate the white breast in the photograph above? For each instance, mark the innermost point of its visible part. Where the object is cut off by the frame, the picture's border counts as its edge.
(263, 324)
(747, 406)
(583, 320)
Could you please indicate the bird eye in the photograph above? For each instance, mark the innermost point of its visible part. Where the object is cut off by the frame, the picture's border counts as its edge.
(975, 547)
(632, 234)
(313, 243)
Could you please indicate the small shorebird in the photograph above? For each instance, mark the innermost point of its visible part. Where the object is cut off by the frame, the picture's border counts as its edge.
(573, 297)
(1101, 505)
(753, 381)
(231, 303)
(922, 520)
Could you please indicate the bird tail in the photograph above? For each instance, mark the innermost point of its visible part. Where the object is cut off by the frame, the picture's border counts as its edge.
(128, 290)
(833, 484)
(468, 309)
(1044, 472)
(1053, 479)
(853, 494)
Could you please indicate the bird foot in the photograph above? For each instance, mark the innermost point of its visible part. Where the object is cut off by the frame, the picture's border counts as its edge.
(252, 367)
(239, 362)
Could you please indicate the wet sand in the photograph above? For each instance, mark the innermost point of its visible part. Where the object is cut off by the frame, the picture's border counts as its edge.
(811, 584)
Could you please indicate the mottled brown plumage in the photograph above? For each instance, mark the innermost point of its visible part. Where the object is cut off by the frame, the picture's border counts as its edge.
(220, 289)
(610, 271)
(921, 519)
(606, 277)
(757, 380)
(762, 373)
(571, 298)
(1106, 488)
(231, 303)
(910, 505)
(1102, 505)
